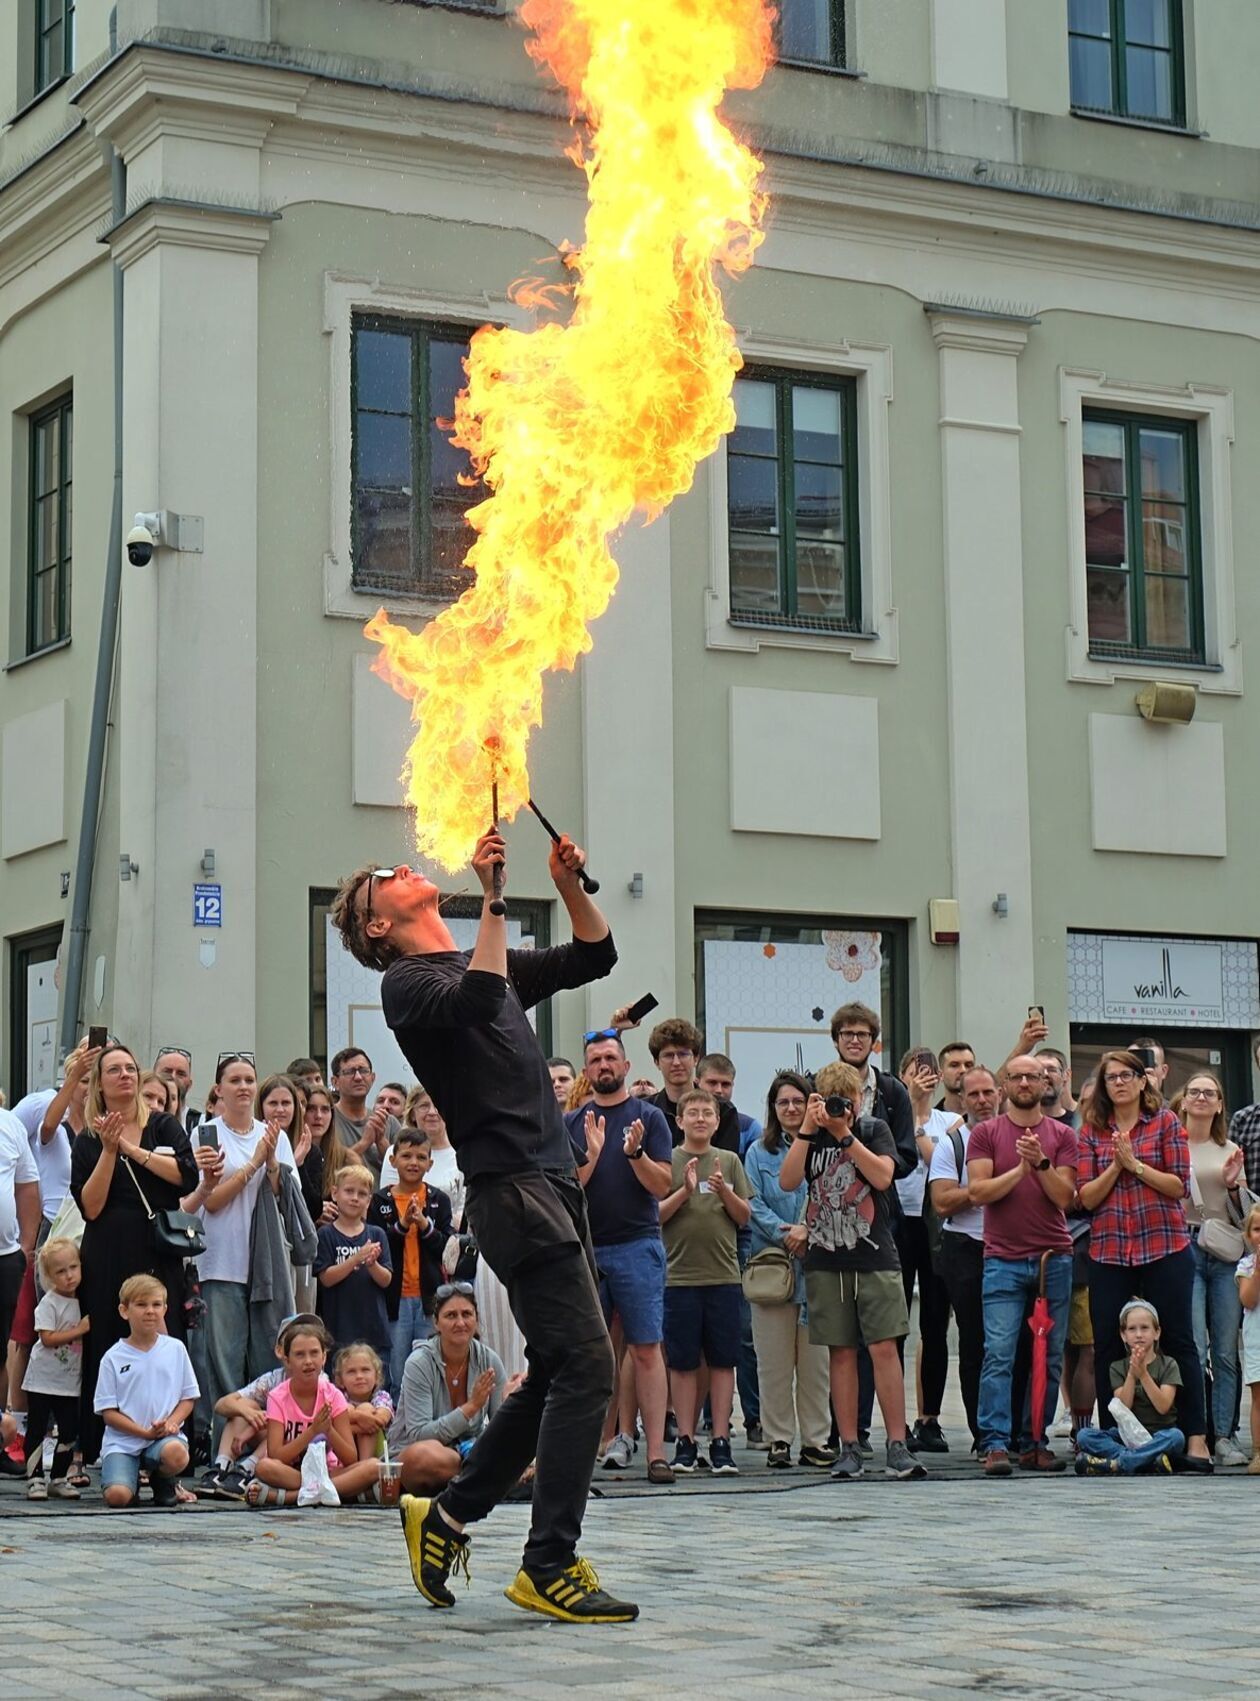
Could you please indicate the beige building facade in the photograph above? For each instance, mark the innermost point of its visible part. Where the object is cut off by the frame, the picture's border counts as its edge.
(996, 473)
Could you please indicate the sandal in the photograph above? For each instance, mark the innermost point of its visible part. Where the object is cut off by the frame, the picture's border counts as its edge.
(262, 1494)
(78, 1477)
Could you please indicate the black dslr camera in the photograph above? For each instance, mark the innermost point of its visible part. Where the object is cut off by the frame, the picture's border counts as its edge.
(838, 1105)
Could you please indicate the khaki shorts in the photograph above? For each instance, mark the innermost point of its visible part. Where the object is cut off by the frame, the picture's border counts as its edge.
(1080, 1328)
(847, 1307)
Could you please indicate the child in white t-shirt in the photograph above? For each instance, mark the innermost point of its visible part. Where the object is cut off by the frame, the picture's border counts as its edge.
(145, 1392)
(55, 1372)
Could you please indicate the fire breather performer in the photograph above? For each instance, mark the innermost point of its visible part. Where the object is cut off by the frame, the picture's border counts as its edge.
(459, 1018)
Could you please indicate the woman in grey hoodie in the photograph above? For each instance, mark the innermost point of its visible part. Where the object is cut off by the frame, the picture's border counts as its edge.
(452, 1386)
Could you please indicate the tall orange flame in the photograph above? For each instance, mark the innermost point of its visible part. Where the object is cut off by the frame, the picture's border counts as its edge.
(574, 427)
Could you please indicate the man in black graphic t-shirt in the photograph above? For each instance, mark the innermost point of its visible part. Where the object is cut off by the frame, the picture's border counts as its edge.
(460, 1020)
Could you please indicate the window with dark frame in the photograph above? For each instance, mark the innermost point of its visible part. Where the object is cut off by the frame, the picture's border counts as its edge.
(408, 527)
(1142, 537)
(54, 42)
(1127, 58)
(793, 502)
(811, 32)
(534, 915)
(50, 525)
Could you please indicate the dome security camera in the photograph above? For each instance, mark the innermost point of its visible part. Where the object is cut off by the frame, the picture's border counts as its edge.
(143, 539)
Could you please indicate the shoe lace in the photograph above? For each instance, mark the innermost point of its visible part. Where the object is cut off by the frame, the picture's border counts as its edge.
(459, 1561)
(583, 1574)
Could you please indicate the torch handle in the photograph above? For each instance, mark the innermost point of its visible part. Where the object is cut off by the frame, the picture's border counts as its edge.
(588, 883)
(497, 906)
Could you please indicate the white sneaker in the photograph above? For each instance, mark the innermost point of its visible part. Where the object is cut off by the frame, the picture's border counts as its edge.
(1061, 1429)
(618, 1454)
(1228, 1452)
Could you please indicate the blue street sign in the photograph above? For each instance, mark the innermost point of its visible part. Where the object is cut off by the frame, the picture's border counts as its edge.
(207, 906)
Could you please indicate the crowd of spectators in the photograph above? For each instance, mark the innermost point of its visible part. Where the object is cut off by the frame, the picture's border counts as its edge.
(272, 1296)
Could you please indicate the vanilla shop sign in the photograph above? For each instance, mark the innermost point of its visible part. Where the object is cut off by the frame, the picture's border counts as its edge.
(1163, 981)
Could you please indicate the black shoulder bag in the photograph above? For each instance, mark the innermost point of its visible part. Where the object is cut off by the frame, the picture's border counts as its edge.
(172, 1234)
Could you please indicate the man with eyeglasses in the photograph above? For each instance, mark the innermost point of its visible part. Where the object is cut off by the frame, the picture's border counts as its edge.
(1021, 1167)
(459, 1018)
(676, 1045)
(174, 1063)
(369, 1135)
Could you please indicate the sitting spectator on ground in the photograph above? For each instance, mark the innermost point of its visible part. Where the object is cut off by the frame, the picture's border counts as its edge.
(1146, 1382)
(625, 1164)
(54, 1375)
(792, 1372)
(416, 1219)
(699, 1218)
(852, 1272)
(1021, 1168)
(243, 1440)
(452, 1386)
(353, 1266)
(145, 1392)
(359, 1373)
(305, 1408)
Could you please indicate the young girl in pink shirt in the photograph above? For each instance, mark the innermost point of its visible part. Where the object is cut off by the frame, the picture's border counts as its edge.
(301, 1410)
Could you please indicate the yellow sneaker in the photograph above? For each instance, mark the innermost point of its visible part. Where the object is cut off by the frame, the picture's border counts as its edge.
(434, 1549)
(573, 1594)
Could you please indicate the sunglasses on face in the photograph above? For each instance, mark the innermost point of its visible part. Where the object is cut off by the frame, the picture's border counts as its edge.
(370, 882)
(235, 1057)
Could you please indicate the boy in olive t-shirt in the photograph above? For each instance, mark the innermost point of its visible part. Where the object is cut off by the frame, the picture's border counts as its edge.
(699, 1220)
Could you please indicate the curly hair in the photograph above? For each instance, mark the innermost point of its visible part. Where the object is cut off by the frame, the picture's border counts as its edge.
(675, 1031)
(349, 917)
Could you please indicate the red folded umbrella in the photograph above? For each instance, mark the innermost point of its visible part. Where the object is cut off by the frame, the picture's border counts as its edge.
(1041, 1323)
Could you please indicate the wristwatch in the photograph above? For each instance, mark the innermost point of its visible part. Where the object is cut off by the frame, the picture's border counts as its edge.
(1140, 1169)
(1044, 1164)
(635, 1155)
(845, 1142)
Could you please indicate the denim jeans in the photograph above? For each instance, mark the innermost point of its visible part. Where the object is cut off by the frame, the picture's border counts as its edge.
(1010, 1285)
(1169, 1285)
(1216, 1313)
(410, 1327)
(1106, 1444)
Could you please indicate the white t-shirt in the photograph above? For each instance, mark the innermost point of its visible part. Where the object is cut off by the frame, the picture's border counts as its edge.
(56, 1370)
(911, 1190)
(144, 1386)
(226, 1257)
(52, 1160)
(970, 1220)
(16, 1165)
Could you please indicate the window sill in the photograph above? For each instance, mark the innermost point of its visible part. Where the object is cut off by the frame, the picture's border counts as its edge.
(36, 655)
(800, 629)
(1129, 658)
(828, 70)
(1127, 123)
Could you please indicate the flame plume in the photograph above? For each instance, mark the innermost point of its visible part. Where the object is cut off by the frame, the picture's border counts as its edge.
(574, 427)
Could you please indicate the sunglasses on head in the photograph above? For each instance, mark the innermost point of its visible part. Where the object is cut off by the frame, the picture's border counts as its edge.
(373, 877)
(177, 1050)
(448, 1290)
(599, 1034)
(235, 1057)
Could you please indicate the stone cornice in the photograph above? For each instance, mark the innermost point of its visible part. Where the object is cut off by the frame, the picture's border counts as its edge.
(189, 224)
(977, 331)
(58, 194)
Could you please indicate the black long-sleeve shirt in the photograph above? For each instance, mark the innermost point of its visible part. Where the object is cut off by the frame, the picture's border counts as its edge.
(465, 1034)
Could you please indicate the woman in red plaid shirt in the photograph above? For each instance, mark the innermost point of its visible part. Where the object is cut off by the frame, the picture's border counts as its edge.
(1133, 1173)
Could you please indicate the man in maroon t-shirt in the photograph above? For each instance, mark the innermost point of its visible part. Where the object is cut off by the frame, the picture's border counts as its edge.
(1021, 1167)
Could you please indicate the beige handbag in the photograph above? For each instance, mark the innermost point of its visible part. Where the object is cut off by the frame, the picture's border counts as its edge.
(770, 1277)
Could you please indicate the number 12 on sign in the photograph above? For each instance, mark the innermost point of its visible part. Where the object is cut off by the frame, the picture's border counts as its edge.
(207, 906)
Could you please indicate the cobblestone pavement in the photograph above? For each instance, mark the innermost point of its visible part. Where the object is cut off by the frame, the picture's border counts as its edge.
(954, 1587)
